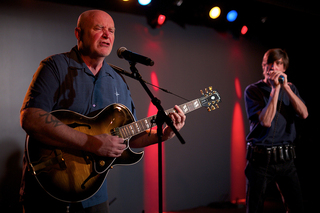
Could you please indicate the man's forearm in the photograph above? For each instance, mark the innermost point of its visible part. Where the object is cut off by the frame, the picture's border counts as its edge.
(46, 128)
(298, 105)
(269, 111)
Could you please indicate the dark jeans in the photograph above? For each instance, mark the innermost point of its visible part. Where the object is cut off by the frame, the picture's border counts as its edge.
(64, 208)
(36, 200)
(284, 174)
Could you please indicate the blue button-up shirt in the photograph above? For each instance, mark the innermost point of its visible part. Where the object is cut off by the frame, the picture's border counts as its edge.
(63, 81)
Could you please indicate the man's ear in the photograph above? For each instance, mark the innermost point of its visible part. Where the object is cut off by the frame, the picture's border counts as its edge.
(78, 33)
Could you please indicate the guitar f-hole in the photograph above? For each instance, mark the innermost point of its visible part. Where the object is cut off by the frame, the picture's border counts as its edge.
(75, 125)
(93, 174)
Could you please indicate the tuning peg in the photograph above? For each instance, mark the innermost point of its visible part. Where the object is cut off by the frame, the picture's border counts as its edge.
(209, 109)
(205, 89)
(201, 92)
(210, 88)
(213, 107)
(217, 106)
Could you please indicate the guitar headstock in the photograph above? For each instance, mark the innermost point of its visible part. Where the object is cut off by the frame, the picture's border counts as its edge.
(210, 99)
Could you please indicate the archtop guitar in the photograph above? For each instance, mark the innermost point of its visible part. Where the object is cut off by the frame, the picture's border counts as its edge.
(71, 175)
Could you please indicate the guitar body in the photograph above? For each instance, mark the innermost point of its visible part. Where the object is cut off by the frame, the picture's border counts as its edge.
(72, 175)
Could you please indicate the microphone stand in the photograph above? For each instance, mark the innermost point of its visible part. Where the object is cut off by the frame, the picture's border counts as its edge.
(160, 120)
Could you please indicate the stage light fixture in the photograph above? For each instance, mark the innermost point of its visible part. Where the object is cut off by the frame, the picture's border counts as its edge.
(178, 2)
(144, 2)
(215, 12)
(244, 29)
(161, 19)
(156, 20)
(232, 16)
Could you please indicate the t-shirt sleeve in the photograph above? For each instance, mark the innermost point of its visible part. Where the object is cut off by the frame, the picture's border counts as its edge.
(254, 102)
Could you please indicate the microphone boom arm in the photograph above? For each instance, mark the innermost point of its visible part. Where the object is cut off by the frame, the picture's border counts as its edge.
(161, 113)
(161, 116)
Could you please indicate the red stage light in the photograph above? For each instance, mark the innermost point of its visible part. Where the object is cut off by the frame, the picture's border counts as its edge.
(244, 29)
(161, 19)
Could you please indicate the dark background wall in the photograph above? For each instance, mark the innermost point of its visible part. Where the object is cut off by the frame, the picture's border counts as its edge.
(186, 60)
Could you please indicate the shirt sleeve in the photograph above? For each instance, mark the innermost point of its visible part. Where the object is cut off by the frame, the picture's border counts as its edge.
(295, 90)
(254, 102)
(43, 89)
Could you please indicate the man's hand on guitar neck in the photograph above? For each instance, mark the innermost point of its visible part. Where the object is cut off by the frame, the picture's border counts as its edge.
(178, 118)
(150, 136)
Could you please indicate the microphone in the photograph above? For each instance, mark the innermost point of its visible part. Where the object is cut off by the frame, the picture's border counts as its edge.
(281, 79)
(122, 52)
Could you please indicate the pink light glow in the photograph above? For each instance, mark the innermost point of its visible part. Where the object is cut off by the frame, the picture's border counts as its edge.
(151, 191)
(237, 153)
(238, 87)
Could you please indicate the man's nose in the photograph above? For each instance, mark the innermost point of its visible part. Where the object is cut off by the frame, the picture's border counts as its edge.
(105, 33)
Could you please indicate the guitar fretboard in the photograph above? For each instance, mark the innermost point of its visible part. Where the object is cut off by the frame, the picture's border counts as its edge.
(142, 125)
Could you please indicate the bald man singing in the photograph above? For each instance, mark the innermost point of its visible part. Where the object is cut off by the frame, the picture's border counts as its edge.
(80, 81)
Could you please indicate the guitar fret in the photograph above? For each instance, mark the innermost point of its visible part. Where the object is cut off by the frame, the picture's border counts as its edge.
(131, 129)
(143, 126)
(185, 108)
(137, 127)
(191, 106)
(127, 130)
(146, 124)
(121, 133)
(196, 104)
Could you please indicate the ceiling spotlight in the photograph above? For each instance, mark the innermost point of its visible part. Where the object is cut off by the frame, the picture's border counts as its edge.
(161, 19)
(215, 12)
(178, 2)
(144, 2)
(244, 29)
(156, 20)
(232, 16)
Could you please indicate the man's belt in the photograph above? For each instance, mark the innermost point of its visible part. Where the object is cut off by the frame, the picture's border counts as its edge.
(271, 154)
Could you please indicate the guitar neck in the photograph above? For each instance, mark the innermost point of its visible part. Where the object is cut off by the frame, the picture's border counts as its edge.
(142, 125)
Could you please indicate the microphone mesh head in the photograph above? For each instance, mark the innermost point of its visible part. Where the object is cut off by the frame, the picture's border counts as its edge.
(120, 51)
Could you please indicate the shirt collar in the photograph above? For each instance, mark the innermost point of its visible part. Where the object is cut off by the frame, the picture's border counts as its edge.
(76, 62)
